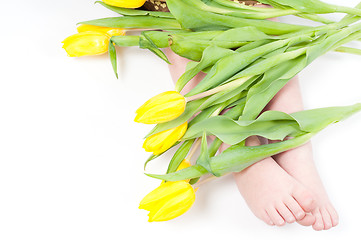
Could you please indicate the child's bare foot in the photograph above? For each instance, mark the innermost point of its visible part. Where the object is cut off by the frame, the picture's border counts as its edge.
(272, 194)
(299, 162)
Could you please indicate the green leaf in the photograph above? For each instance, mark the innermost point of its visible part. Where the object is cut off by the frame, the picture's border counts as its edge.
(236, 158)
(113, 57)
(179, 156)
(203, 159)
(151, 158)
(242, 34)
(141, 22)
(146, 43)
(273, 80)
(315, 120)
(188, 13)
(194, 171)
(312, 6)
(225, 67)
(209, 57)
(272, 125)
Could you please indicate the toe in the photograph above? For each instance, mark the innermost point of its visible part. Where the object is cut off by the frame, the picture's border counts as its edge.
(333, 215)
(305, 199)
(318, 225)
(266, 218)
(327, 222)
(308, 220)
(295, 208)
(275, 216)
(285, 213)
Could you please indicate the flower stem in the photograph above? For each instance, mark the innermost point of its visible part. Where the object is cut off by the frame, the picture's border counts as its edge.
(194, 149)
(218, 89)
(348, 50)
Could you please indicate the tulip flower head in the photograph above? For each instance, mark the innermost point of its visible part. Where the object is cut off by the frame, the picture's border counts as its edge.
(161, 142)
(90, 40)
(168, 201)
(86, 43)
(125, 3)
(161, 108)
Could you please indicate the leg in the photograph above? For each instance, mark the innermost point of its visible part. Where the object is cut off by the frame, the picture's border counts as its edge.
(272, 194)
(299, 162)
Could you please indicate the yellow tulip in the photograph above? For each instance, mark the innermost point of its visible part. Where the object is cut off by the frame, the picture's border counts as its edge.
(168, 201)
(106, 30)
(161, 108)
(162, 141)
(86, 43)
(125, 3)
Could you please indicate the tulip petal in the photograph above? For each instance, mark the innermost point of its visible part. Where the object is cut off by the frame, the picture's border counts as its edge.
(174, 207)
(160, 99)
(125, 3)
(160, 142)
(165, 190)
(162, 113)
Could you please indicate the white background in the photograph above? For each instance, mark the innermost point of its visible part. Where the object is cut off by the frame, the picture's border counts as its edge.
(71, 161)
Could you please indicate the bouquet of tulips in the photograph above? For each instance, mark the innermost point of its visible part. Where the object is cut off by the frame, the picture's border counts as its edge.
(247, 59)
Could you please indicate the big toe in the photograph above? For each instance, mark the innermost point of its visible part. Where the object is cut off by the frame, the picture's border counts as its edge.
(305, 199)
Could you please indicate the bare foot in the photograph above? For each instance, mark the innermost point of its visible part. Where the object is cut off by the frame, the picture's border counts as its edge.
(274, 196)
(299, 162)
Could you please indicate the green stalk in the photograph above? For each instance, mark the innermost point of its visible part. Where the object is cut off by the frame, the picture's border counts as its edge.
(315, 18)
(228, 86)
(350, 50)
(351, 11)
(125, 41)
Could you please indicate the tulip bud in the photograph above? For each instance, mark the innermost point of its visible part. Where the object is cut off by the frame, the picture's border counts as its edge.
(161, 108)
(86, 43)
(106, 30)
(168, 201)
(161, 142)
(125, 3)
